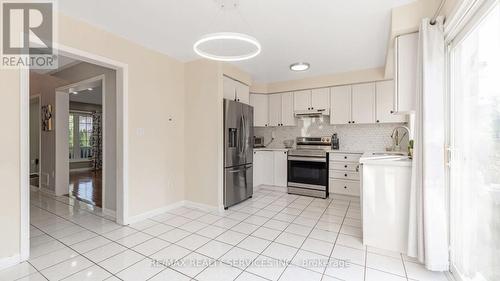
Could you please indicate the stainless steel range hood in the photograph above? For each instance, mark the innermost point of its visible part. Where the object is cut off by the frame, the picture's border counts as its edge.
(311, 113)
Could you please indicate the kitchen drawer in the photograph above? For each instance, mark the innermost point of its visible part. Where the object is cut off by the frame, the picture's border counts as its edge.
(344, 175)
(346, 187)
(345, 157)
(354, 167)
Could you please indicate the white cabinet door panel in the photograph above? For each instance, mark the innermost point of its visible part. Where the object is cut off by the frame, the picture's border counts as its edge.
(280, 168)
(260, 109)
(258, 163)
(242, 93)
(267, 167)
(275, 110)
(340, 112)
(287, 115)
(320, 99)
(384, 105)
(229, 88)
(406, 72)
(302, 100)
(363, 103)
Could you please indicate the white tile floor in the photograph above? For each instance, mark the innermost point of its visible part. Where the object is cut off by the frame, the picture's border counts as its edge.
(273, 236)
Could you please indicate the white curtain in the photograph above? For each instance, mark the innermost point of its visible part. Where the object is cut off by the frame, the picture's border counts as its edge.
(428, 222)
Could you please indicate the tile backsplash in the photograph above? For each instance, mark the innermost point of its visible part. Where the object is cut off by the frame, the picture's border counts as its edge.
(356, 137)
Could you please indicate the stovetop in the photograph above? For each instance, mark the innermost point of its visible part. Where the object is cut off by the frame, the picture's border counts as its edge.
(312, 147)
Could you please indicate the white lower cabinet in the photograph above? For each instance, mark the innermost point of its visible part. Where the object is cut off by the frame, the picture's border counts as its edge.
(270, 167)
(344, 173)
(280, 168)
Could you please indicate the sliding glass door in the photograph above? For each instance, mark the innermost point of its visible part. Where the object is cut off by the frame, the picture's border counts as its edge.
(475, 146)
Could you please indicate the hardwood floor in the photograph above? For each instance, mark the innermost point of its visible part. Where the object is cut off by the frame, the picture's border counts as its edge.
(86, 186)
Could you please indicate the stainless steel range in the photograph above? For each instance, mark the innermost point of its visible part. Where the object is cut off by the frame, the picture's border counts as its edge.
(308, 167)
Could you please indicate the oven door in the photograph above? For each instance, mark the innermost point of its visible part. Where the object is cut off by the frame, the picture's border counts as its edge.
(308, 172)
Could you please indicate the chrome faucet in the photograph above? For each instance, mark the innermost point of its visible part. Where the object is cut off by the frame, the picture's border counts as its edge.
(396, 140)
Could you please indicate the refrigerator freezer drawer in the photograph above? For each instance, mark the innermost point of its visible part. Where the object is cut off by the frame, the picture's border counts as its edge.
(238, 184)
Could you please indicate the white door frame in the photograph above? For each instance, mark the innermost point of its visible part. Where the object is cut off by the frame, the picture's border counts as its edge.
(122, 215)
(64, 90)
(39, 98)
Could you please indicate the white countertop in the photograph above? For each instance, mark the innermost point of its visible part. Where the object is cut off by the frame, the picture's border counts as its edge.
(271, 149)
(385, 158)
(345, 151)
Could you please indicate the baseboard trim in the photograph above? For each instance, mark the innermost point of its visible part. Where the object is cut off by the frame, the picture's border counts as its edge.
(153, 213)
(200, 206)
(9, 261)
(159, 211)
(109, 212)
(47, 191)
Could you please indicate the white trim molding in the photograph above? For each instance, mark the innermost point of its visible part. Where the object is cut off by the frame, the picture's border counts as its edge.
(199, 206)
(162, 210)
(109, 213)
(154, 213)
(10, 261)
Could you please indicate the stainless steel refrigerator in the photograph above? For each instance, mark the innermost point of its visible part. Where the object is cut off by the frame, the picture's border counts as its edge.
(238, 152)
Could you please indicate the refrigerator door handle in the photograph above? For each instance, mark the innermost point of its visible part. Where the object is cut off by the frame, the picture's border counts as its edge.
(243, 134)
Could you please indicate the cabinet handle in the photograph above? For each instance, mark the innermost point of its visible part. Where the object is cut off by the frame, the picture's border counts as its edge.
(353, 122)
(312, 107)
(284, 152)
(345, 166)
(378, 121)
(345, 187)
(349, 122)
(345, 157)
(345, 175)
(392, 111)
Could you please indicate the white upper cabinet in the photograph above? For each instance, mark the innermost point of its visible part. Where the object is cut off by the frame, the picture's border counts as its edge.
(287, 116)
(260, 105)
(385, 103)
(242, 93)
(340, 112)
(317, 99)
(281, 110)
(363, 103)
(275, 110)
(234, 90)
(302, 100)
(320, 99)
(405, 73)
(229, 88)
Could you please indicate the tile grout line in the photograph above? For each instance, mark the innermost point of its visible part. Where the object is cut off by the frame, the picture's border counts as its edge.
(282, 231)
(250, 234)
(335, 243)
(214, 239)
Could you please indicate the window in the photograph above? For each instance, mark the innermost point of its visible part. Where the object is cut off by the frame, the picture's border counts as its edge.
(475, 142)
(80, 136)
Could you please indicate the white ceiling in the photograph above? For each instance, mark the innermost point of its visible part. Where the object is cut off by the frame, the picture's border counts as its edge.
(83, 95)
(332, 35)
(62, 63)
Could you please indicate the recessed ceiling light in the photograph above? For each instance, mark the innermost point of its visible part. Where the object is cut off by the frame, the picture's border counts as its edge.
(299, 66)
(89, 89)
